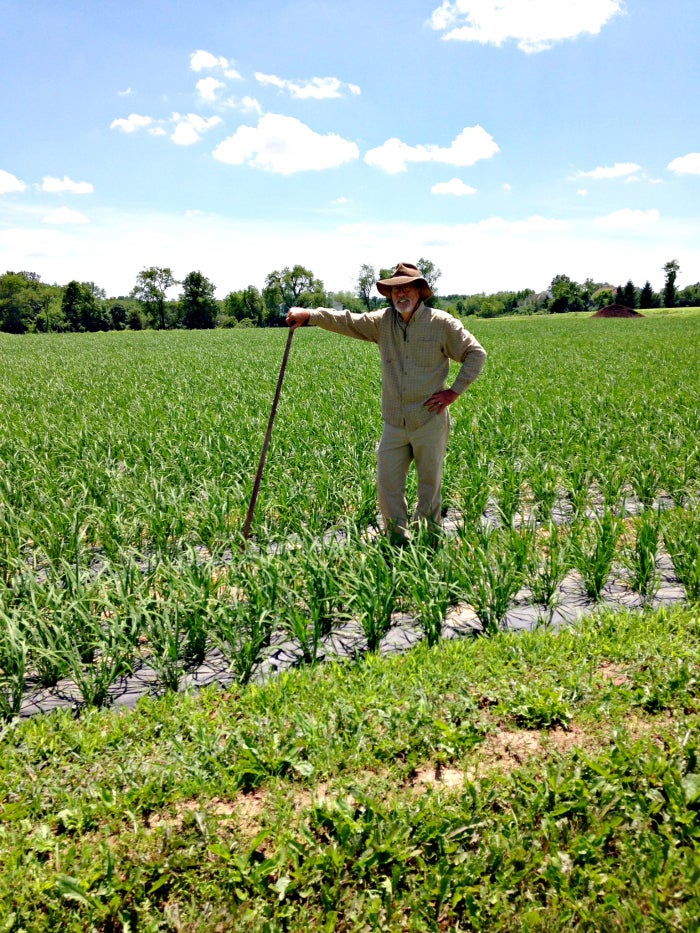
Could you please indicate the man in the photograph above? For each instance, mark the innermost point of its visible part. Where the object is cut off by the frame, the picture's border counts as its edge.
(416, 344)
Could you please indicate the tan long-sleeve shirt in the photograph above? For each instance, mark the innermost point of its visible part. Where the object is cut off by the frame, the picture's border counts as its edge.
(415, 355)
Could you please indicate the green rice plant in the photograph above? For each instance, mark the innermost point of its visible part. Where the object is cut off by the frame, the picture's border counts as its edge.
(578, 481)
(681, 535)
(241, 630)
(296, 623)
(189, 586)
(543, 481)
(163, 628)
(549, 564)
(49, 644)
(489, 573)
(427, 575)
(593, 549)
(640, 557)
(13, 664)
(246, 610)
(101, 649)
(610, 480)
(521, 543)
(318, 565)
(679, 469)
(644, 478)
(371, 582)
(509, 487)
(468, 483)
(310, 604)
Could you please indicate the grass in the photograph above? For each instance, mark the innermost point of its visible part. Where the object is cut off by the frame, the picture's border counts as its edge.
(531, 781)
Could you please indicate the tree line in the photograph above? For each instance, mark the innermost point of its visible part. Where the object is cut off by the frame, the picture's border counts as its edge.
(28, 305)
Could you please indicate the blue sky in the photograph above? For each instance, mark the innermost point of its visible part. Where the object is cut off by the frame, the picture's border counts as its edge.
(506, 140)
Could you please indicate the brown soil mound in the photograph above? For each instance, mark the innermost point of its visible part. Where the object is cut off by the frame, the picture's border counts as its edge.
(617, 311)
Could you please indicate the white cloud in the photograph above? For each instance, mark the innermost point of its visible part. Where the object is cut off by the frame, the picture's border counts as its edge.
(131, 123)
(471, 145)
(208, 87)
(66, 184)
(535, 25)
(10, 183)
(454, 186)
(341, 200)
(316, 88)
(629, 220)
(534, 224)
(284, 145)
(125, 93)
(64, 215)
(206, 61)
(250, 105)
(686, 165)
(582, 192)
(618, 170)
(189, 128)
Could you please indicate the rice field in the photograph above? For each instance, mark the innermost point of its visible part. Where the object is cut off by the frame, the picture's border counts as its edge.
(127, 462)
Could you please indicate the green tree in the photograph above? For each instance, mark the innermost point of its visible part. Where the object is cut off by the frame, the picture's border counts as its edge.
(629, 295)
(25, 302)
(430, 273)
(70, 304)
(117, 313)
(81, 309)
(603, 297)
(566, 295)
(365, 283)
(198, 304)
(233, 308)
(246, 305)
(295, 287)
(671, 270)
(151, 287)
(647, 298)
(689, 297)
(253, 305)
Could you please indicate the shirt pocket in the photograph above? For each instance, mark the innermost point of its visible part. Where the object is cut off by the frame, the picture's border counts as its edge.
(427, 355)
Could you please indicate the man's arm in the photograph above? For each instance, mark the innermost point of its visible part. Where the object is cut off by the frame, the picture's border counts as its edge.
(359, 326)
(463, 347)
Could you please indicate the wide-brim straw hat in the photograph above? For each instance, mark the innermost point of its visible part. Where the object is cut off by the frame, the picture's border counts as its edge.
(405, 274)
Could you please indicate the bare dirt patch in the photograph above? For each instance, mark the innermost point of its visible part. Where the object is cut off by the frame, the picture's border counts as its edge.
(615, 673)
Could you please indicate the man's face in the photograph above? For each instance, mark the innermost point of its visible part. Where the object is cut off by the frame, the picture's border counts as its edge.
(405, 298)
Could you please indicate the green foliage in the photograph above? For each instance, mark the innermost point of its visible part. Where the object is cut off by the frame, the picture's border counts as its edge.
(366, 279)
(197, 303)
(292, 287)
(26, 304)
(594, 546)
(681, 535)
(127, 467)
(151, 287)
(502, 784)
(82, 311)
(566, 295)
(671, 270)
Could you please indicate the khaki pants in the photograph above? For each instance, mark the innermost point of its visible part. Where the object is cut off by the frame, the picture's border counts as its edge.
(397, 448)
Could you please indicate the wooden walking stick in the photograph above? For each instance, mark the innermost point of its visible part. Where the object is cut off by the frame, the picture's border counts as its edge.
(263, 455)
